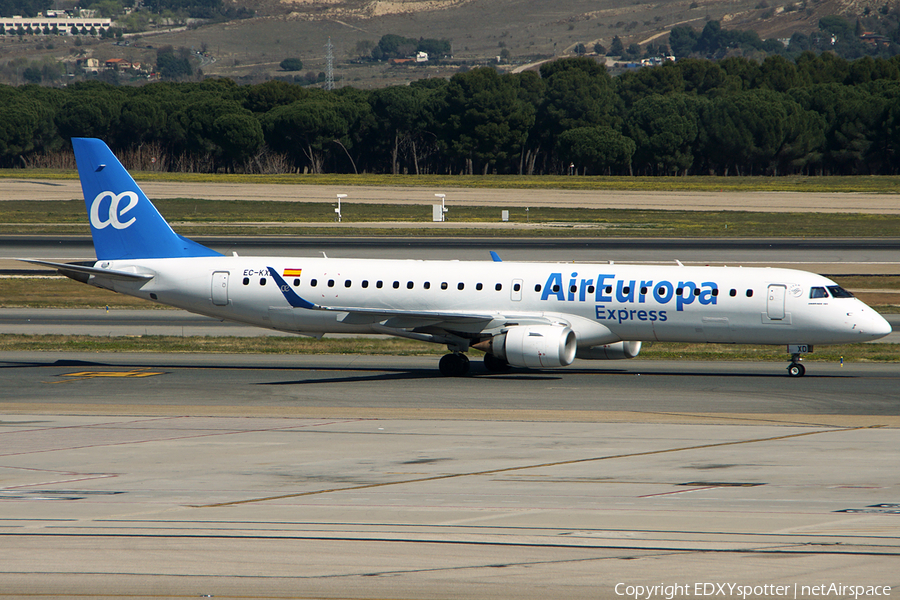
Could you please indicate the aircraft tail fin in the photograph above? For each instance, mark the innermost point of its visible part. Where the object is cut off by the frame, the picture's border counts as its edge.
(124, 223)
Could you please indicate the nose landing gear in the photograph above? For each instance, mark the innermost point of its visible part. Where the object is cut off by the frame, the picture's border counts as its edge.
(795, 369)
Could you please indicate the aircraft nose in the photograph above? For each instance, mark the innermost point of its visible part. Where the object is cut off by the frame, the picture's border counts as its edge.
(879, 326)
(872, 325)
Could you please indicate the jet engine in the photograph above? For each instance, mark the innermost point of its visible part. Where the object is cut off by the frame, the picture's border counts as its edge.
(533, 346)
(611, 351)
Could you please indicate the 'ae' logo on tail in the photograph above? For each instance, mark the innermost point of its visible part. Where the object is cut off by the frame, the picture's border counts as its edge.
(114, 213)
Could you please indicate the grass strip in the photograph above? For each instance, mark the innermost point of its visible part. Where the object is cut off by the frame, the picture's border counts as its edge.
(873, 353)
(195, 217)
(877, 184)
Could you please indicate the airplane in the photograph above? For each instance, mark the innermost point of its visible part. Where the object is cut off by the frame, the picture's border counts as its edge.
(521, 314)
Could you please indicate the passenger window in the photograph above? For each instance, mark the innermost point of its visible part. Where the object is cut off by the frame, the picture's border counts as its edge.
(262, 281)
(396, 285)
(331, 283)
(715, 291)
(313, 282)
(537, 287)
(679, 291)
(347, 283)
(696, 291)
(732, 293)
(591, 289)
(460, 286)
(444, 285)
(574, 289)
(818, 292)
(625, 290)
(296, 282)
(246, 281)
(609, 289)
(499, 287)
(749, 293)
(644, 291)
(379, 284)
(517, 287)
(427, 285)
(409, 285)
(365, 283)
(478, 286)
(555, 288)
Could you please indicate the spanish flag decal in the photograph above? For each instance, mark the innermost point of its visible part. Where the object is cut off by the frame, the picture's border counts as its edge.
(292, 272)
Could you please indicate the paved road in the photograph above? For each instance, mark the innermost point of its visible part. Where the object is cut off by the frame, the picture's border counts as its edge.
(370, 477)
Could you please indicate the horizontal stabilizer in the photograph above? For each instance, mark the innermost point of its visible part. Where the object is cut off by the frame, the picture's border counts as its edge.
(72, 270)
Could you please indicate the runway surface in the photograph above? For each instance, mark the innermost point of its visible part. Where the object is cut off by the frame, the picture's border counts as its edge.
(827, 256)
(35, 189)
(371, 477)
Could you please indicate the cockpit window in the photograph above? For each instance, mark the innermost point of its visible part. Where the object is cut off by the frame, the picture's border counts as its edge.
(818, 292)
(839, 292)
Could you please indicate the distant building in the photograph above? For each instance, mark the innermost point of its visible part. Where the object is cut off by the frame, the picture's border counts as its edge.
(421, 57)
(118, 64)
(63, 25)
(874, 39)
(90, 65)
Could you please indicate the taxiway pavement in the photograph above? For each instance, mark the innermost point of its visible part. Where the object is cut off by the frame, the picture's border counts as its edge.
(371, 477)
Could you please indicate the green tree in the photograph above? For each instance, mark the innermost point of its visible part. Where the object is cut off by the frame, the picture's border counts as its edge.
(777, 73)
(703, 77)
(664, 79)
(239, 135)
(173, 66)
(664, 129)
(682, 41)
(399, 112)
(484, 121)
(578, 92)
(617, 48)
(291, 64)
(596, 149)
(306, 129)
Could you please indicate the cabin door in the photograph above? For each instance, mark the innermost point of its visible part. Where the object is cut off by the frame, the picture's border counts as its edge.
(220, 288)
(775, 302)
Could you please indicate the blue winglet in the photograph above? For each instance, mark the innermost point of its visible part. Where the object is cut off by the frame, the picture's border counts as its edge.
(289, 294)
(495, 256)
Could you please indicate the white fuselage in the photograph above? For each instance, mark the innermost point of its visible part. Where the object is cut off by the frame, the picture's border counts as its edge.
(602, 303)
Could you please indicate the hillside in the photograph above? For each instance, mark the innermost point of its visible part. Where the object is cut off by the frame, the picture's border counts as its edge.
(529, 30)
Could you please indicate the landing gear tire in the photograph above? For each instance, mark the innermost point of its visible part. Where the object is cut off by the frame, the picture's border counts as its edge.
(454, 365)
(796, 370)
(495, 365)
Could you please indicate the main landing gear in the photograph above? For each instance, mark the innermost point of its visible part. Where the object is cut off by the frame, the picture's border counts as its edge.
(457, 364)
(454, 365)
(795, 369)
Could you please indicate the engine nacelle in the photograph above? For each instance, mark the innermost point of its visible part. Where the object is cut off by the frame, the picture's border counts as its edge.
(533, 346)
(611, 351)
